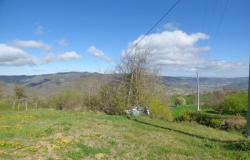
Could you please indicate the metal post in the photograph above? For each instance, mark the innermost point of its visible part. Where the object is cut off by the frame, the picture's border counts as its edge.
(248, 110)
(198, 92)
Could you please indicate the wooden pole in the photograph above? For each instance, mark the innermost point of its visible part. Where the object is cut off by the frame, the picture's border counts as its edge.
(198, 92)
(248, 110)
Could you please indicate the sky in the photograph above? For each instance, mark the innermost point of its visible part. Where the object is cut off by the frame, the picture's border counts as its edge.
(50, 36)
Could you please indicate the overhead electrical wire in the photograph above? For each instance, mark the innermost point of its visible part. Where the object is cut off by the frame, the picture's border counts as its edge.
(158, 22)
(221, 19)
(204, 16)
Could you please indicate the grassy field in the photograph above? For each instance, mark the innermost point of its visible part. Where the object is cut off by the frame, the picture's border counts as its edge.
(50, 134)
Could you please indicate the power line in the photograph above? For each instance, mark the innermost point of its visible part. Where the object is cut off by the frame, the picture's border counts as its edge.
(158, 22)
(213, 15)
(205, 16)
(221, 19)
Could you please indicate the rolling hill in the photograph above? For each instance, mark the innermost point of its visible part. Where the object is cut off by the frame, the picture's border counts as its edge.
(50, 83)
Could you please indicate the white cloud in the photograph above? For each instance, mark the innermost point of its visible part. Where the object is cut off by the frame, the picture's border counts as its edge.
(98, 53)
(10, 55)
(71, 55)
(14, 56)
(62, 42)
(39, 29)
(171, 26)
(32, 44)
(48, 58)
(178, 50)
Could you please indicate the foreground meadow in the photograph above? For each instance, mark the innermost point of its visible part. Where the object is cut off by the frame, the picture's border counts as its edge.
(48, 134)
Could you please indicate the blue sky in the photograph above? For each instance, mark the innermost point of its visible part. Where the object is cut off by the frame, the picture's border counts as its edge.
(48, 36)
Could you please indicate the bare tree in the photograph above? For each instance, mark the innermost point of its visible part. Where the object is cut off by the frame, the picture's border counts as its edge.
(20, 97)
(19, 92)
(138, 74)
(135, 84)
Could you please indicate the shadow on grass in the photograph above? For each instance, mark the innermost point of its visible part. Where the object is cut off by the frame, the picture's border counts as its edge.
(239, 146)
(224, 113)
(186, 133)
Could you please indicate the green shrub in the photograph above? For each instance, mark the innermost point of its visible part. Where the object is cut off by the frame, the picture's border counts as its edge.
(180, 101)
(159, 110)
(241, 145)
(234, 103)
(186, 116)
(208, 119)
(190, 99)
(179, 110)
(216, 123)
(202, 118)
(112, 99)
(19, 92)
(67, 99)
(199, 117)
(92, 102)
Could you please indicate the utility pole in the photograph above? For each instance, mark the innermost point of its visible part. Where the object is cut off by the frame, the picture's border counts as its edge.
(198, 91)
(248, 110)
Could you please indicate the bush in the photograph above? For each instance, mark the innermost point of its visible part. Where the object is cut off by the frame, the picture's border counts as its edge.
(92, 102)
(199, 117)
(235, 123)
(179, 111)
(19, 92)
(112, 99)
(216, 123)
(67, 99)
(186, 116)
(180, 101)
(215, 98)
(230, 123)
(234, 103)
(241, 145)
(58, 101)
(203, 118)
(159, 110)
(190, 99)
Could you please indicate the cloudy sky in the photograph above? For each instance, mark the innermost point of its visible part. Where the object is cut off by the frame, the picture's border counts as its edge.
(45, 36)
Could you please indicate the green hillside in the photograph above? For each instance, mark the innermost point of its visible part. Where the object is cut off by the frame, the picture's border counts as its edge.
(52, 83)
(51, 134)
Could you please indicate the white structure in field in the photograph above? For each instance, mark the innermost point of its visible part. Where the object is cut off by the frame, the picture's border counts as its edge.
(137, 110)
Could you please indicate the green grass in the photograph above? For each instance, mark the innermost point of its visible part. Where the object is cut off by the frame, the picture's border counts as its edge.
(51, 134)
(81, 150)
(177, 111)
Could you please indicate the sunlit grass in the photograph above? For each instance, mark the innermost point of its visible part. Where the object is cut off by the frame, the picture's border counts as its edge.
(51, 134)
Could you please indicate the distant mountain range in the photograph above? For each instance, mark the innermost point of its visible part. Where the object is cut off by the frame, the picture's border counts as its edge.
(187, 85)
(51, 83)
